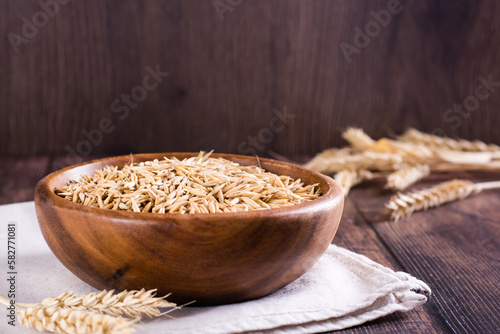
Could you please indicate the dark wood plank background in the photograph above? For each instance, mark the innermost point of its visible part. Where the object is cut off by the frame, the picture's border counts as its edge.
(226, 76)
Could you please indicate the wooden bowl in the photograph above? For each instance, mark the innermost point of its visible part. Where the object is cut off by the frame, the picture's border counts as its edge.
(213, 258)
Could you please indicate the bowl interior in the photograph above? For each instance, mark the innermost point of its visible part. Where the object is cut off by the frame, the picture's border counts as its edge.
(61, 178)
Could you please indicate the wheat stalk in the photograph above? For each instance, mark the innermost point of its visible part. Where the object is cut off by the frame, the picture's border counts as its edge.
(349, 178)
(406, 161)
(403, 205)
(436, 142)
(61, 320)
(358, 139)
(406, 176)
(133, 304)
(458, 167)
(412, 148)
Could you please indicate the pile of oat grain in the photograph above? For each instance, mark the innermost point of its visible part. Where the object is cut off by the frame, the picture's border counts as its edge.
(195, 185)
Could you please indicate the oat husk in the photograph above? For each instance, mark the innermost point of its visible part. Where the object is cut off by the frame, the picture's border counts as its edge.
(194, 185)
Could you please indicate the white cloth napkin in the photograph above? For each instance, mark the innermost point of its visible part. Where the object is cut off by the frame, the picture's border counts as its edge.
(342, 290)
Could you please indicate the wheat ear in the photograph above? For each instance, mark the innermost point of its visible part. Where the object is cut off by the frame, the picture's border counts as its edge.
(318, 160)
(436, 142)
(406, 176)
(349, 178)
(403, 205)
(133, 304)
(366, 160)
(62, 320)
(69, 321)
(358, 139)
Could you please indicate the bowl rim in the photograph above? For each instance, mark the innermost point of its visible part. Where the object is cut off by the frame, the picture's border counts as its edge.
(42, 190)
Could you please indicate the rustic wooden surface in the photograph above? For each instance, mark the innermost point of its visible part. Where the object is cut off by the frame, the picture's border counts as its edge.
(227, 76)
(455, 249)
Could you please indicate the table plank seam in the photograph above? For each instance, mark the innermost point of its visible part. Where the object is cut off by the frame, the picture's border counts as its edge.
(430, 304)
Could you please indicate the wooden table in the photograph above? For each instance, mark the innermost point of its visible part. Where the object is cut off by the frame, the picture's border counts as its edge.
(455, 248)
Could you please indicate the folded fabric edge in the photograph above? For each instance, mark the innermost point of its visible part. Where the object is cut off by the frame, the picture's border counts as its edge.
(403, 294)
(395, 298)
(335, 324)
(403, 301)
(417, 285)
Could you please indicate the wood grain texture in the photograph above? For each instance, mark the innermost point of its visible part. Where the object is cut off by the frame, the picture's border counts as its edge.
(225, 77)
(357, 234)
(455, 249)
